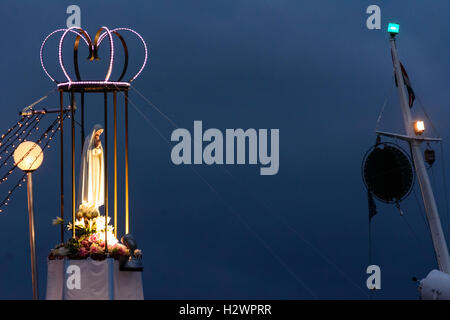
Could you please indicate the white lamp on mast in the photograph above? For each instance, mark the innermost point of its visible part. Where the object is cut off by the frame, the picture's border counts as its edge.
(28, 156)
(419, 127)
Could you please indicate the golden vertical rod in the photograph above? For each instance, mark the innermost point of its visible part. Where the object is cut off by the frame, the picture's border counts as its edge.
(72, 114)
(61, 117)
(115, 162)
(127, 219)
(82, 121)
(106, 170)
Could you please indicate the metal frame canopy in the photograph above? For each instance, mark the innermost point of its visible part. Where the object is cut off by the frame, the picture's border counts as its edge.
(81, 86)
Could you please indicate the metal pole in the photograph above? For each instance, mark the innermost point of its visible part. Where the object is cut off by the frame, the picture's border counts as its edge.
(72, 111)
(82, 121)
(115, 162)
(40, 111)
(61, 128)
(434, 222)
(34, 277)
(127, 219)
(106, 170)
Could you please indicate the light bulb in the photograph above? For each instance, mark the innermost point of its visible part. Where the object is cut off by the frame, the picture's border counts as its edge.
(28, 156)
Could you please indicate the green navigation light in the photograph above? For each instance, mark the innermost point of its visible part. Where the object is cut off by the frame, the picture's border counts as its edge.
(393, 27)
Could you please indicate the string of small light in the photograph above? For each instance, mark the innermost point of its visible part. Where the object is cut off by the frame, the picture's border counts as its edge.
(16, 133)
(19, 183)
(38, 119)
(20, 138)
(18, 123)
(44, 135)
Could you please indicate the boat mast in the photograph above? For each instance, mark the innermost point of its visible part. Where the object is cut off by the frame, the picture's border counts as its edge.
(434, 222)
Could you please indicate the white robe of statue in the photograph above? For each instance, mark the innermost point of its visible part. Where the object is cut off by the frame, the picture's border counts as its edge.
(91, 185)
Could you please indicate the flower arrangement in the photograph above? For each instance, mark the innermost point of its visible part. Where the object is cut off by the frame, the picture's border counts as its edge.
(87, 211)
(89, 240)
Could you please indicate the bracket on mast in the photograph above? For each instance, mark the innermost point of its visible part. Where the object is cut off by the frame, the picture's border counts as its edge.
(407, 138)
(29, 112)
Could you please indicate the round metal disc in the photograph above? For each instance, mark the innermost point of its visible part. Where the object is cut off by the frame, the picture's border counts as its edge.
(388, 172)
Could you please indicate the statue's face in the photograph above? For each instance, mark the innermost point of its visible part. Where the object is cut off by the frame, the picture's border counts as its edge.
(98, 133)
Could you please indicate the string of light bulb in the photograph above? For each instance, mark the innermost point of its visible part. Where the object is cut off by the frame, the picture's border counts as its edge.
(45, 135)
(20, 138)
(16, 134)
(18, 123)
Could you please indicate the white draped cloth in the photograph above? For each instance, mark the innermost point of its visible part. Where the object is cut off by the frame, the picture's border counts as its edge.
(91, 185)
(98, 280)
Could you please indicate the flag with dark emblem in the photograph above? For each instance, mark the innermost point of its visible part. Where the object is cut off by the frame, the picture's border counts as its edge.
(411, 95)
(410, 90)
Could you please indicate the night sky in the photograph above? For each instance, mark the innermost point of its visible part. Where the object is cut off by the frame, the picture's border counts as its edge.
(309, 68)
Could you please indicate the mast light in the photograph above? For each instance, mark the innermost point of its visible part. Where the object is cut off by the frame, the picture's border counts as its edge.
(393, 28)
(419, 127)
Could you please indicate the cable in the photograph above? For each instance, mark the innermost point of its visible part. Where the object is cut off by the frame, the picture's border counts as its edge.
(15, 135)
(301, 237)
(427, 116)
(25, 133)
(39, 100)
(5, 176)
(19, 123)
(419, 205)
(317, 251)
(155, 107)
(411, 229)
(240, 218)
(388, 96)
(370, 255)
(6, 200)
(444, 179)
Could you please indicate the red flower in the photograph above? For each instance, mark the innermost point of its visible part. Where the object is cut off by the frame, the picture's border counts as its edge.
(94, 238)
(83, 252)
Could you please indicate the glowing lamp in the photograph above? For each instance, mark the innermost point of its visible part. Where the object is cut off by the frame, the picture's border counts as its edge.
(393, 28)
(28, 156)
(419, 127)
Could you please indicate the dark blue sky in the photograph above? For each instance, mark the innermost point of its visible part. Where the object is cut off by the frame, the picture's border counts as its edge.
(311, 69)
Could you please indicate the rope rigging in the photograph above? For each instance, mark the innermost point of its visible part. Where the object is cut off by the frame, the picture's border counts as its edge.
(386, 100)
(241, 219)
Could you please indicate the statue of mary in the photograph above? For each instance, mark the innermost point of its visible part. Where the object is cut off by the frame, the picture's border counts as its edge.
(91, 184)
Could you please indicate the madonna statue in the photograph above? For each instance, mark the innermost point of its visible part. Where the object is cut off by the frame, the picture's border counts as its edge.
(91, 184)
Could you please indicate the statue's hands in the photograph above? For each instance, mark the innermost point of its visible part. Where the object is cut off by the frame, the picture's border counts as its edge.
(98, 143)
(97, 150)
